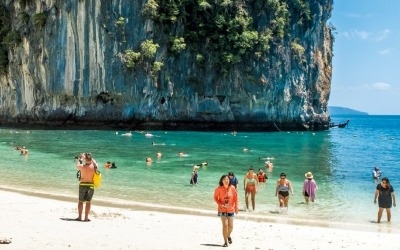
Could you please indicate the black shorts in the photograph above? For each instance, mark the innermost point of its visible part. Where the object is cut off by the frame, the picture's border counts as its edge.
(306, 194)
(226, 214)
(284, 193)
(86, 191)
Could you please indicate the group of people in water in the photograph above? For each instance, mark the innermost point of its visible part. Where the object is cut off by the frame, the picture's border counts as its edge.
(23, 150)
(252, 181)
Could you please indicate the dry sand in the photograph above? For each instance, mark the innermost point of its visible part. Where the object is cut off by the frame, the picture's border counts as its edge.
(31, 222)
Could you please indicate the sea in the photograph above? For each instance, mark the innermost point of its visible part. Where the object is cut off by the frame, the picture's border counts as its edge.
(341, 160)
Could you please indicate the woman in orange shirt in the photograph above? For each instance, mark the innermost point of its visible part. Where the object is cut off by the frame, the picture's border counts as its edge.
(225, 195)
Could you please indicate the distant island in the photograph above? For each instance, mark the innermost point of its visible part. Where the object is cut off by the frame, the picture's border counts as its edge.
(344, 111)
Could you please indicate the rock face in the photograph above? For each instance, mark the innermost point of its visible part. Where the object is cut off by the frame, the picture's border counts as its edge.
(67, 67)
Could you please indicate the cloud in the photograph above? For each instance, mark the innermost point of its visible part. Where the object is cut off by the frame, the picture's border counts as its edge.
(382, 35)
(357, 15)
(385, 52)
(364, 35)
(382, 86)
(356, 33)
(361, 34)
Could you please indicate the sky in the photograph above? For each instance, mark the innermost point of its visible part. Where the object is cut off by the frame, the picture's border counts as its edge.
(366, 56)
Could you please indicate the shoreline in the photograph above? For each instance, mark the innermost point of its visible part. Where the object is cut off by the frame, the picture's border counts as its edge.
(247, 216)
(31, 222)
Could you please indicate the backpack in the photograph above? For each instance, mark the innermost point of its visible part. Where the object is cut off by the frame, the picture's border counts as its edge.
(97, 179)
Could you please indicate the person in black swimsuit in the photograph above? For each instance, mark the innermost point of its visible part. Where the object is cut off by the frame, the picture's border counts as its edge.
(385, 194)
(283, 186)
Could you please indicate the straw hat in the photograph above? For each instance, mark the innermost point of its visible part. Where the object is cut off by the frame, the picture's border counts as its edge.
(309, 175)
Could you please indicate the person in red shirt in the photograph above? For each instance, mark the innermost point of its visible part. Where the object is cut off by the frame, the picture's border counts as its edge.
(226, 197)
(262, 177)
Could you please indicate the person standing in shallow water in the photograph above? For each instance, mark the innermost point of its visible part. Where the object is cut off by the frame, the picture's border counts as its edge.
(385, 194)
(86, 187)
(283, 186)
(226, 197)
(195, 175)
(309, 187)
(250, 188)
(233, 180)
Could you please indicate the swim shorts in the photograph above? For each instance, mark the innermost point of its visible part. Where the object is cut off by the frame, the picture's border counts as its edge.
(226, 214)
(86, 191)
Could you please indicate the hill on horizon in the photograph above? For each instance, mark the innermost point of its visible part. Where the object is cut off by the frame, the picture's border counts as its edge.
(334, 110)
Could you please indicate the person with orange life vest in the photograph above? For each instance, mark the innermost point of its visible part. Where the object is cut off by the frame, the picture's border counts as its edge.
(262, 177)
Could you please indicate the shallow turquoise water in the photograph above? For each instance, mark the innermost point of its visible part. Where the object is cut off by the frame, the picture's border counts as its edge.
(340, 159)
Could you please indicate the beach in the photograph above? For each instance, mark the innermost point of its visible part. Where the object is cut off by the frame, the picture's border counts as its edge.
(32, 222)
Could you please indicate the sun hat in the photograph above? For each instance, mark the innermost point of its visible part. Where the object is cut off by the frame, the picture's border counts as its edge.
(309, 175)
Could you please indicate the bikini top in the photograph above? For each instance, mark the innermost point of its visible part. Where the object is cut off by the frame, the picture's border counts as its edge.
(250, 180)
(284, 187)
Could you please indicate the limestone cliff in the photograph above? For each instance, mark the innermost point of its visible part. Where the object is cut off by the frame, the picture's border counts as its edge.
(67, 64)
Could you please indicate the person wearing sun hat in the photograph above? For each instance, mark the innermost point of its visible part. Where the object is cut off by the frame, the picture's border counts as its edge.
(309, 187)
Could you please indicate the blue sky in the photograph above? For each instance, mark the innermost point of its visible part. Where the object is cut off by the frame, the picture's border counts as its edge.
(366, 56)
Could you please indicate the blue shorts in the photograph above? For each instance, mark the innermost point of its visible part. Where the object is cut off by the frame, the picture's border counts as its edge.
(226, 214)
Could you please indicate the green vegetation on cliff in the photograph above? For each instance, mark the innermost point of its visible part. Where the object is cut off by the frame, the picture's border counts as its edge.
(225, 29)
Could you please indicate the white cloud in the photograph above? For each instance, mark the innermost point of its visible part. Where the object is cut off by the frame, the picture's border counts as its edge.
(361, 34)
(385, 52)
(381, 86)
(357, 15)
(382, 35)
(356, 33)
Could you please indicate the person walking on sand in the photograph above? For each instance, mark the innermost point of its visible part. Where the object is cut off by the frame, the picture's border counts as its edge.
(385, 194)
(309, 187)
(226, 197)
(86, 187)
(283, 186)
(250, 188)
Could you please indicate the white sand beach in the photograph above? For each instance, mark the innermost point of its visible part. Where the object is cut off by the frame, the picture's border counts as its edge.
(31, 222)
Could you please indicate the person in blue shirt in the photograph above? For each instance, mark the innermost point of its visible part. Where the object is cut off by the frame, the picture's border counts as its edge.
(233, 180)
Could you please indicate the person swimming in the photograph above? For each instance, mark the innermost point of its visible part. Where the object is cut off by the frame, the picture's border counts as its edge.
(127, 134)
(158, 144)
(107, 164)
(203, 164)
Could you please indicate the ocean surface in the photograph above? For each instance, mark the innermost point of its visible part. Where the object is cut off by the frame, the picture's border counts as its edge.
(341, 159)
